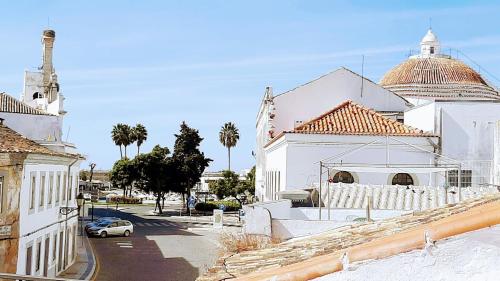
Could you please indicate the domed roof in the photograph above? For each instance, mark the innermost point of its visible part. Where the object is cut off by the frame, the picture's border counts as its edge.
(437, 76)
(429, 37)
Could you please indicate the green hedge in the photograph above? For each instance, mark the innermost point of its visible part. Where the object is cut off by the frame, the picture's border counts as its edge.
(122, 200)
(210, 206)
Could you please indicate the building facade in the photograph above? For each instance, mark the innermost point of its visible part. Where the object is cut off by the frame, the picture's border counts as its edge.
(39, 175)
(455, 109)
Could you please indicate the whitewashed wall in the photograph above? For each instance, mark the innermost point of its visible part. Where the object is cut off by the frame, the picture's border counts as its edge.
(422, 117)
(45, 221)
(35, 127)
(298, 155)
(323, 94)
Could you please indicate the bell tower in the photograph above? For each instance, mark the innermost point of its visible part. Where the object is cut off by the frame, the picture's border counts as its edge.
(430, 46)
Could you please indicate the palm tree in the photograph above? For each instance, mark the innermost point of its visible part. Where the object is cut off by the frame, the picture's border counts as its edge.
(229, 136)
(140, 135)
(117, 137)
(122, 135)
(128, 137)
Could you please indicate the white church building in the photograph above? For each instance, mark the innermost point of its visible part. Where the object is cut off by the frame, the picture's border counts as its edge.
(431, 121)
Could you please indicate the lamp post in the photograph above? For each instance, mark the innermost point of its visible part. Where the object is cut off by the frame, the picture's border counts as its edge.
(80, 202)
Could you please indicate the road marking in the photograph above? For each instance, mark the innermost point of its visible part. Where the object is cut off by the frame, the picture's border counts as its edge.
(139, 224)
(124, 243)
(127, 246)
(147, 224)
(156, 224)
(165, 224)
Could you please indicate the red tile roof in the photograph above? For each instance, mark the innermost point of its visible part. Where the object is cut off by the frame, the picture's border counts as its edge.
(13, 142)
(350, 118)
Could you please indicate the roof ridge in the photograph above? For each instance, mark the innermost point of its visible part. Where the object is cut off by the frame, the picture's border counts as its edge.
(351, 122)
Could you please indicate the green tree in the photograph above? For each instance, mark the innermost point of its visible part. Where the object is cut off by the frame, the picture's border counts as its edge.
(231, 185)
(228, 137)
(189, 161)
(84, 175)
(123, 174)
(140, 135)
(156, 172)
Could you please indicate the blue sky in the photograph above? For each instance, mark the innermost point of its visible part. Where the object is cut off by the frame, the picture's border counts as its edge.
(208, 62)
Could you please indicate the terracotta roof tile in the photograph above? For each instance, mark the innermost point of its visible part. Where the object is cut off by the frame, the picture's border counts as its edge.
(437, 77)
(350, 118)
(13, 142)
(12, 105)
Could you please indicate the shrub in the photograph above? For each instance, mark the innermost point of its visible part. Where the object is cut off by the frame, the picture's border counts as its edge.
(124, 200)
(212, 205)
(239, 242)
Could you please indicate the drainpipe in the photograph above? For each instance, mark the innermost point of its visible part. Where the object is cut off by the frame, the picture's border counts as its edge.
(66, 219)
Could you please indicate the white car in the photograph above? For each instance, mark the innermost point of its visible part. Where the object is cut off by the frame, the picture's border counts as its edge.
(111, 228)
(100, 220)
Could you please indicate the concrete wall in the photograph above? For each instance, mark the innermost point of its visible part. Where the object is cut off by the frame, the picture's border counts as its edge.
(10, 177)
(287, 229)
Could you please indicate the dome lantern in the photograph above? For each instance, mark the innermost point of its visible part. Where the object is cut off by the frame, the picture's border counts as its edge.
(429, 46)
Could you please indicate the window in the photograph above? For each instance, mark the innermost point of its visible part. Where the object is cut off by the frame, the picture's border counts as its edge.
(64, 185)
(29, 253)
(465, 179)
(70, 188)
(38, 256)
(58, 187)
(51, 188)
(343, 177)
(1, 194)
(432, 50)
(37, 95)
(42, 190)
(32, 192)
(54, 247)
(402, 179)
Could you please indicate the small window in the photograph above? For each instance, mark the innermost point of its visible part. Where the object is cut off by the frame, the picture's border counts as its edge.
(42, 191)
(38, 256)
(343, 177)
(432, 50)
(402, 179)
(32, 192)
(465, 178)
(51, 188)
(29, 253)
(37, 95)
(58, 187)
(115, 224)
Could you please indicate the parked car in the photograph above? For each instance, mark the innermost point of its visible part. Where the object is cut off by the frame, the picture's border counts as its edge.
(109, 228)
(100, 220)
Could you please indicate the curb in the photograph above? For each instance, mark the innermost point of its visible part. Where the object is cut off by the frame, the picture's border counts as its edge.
(89, 272)
(203, 223)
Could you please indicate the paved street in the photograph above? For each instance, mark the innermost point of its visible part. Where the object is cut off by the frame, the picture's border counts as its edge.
(158, 250)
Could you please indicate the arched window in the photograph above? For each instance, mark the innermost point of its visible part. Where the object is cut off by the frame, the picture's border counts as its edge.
(37, 95)
(343, 177)
(402, 179)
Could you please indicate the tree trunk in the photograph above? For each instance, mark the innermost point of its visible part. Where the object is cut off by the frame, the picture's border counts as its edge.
(121, 153)
(125, 151)
(229, 157)
(138, 149)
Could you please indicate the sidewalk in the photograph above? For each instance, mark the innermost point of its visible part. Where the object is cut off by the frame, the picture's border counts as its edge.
(85, 263)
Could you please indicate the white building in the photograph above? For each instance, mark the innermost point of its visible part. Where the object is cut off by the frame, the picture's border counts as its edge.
(455, 102)
(37, 186)
(454, 106)
(38, 176)
(207, 177)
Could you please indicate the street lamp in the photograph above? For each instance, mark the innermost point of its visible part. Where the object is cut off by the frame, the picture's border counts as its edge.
(80, 202)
